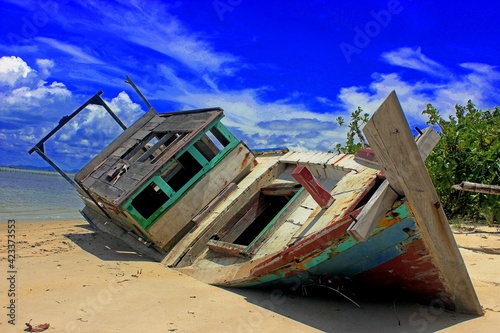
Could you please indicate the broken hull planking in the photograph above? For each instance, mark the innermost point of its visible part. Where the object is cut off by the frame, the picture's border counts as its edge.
(393, 258)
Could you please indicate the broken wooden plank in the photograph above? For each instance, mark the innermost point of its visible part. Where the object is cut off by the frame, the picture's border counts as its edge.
(239, 224)
(315, 189)
(87, 169)
(427, 141)
(231, 249)
(369, 217)
(281, 189)
(393, 143)
(381, 202)
(212, 204)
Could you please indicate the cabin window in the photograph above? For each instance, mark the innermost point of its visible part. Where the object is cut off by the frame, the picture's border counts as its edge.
(184, 169)
(207, 147)
(179, 174)
(218, 137)
(149, 200)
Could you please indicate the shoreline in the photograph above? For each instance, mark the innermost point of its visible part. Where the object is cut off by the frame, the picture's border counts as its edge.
(81, 281)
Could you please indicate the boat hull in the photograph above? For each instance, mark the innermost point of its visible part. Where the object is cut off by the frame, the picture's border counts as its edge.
(394, 259)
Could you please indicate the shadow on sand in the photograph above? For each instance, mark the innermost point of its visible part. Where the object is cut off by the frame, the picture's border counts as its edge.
(104, 246)
(328, 311)
(321, 308)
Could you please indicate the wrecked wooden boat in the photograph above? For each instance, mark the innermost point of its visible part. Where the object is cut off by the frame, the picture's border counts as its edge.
(181, 188)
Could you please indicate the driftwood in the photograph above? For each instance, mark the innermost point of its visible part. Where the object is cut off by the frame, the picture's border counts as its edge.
(478, 188)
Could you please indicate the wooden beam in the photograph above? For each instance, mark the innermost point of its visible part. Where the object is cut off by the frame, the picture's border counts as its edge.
(252, 212)
(371, 214)
(478, 188)
(226, 248)
(281, 189)
(315, 189)
(396, 150)
(383, 199)
(427, 141)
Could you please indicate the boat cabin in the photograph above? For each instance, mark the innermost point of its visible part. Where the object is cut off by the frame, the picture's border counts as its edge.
(161, 172)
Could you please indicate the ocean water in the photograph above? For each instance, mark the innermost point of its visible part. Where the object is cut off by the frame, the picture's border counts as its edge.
(29, 195)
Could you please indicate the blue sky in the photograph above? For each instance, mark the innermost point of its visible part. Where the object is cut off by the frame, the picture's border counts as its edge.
(282, 70)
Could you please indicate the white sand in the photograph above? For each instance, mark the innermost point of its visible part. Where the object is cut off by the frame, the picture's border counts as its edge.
(80, 281)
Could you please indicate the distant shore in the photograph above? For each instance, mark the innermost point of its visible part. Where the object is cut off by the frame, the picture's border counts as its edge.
(77, 280)
(33, 170)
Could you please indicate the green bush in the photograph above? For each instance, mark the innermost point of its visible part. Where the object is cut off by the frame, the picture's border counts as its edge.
(469, 150)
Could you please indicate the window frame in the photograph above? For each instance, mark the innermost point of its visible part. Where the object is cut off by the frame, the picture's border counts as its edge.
(174, 196)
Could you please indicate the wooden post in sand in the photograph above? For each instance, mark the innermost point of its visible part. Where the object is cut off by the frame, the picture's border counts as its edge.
(390, 137)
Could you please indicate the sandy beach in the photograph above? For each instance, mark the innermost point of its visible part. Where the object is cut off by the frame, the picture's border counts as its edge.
(77, 280)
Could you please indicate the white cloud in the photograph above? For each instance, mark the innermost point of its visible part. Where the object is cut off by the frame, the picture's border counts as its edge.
(78, 54)
(162, 32)
(28, 97)
(478, 85)
(414, 59)
(27, 89)
(125, 108)
(265, 124)
(44, 66)
(96, 125)
(13, 69)
(92, 130)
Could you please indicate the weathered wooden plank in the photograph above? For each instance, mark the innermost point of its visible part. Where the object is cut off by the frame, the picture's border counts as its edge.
(87, 169)
(305, 157)
(478, 188)
(212, 204)
(382, 201)
(227, 248)
(105, 190)
(281, 189)
(125, 183)
(185, 122)
(374, 210)
(141, 135)
(290, 157)
(156, 146)
(427, 141)
(311, 184)
(391, 139)
(252, 211)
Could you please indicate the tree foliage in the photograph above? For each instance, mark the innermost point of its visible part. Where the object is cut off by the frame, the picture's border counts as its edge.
(469, 150)
(357, 122)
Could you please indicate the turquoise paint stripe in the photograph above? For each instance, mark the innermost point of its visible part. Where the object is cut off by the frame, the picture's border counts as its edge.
(350, 257)
(377, 250)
